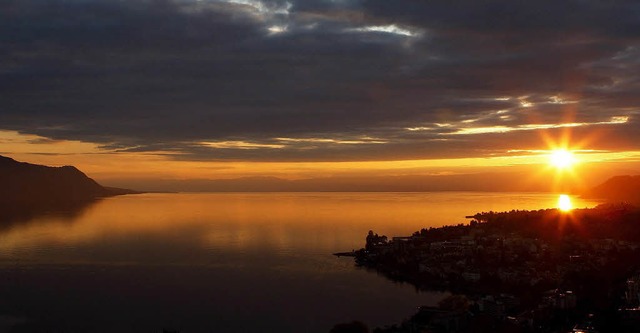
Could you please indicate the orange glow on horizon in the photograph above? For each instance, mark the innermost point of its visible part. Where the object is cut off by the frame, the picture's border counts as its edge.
(104, 164)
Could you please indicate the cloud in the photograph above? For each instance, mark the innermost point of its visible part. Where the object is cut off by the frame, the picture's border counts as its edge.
(231, 79)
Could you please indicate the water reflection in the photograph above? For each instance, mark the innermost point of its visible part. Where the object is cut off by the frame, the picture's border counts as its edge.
(564, 203)
(220, 262)
(12, 214)
(187, 228)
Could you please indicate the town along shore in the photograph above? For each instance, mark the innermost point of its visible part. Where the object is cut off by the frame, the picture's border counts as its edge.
(530, 269)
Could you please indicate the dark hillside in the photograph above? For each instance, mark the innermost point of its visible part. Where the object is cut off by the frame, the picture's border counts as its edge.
(618, 189)
(24, 184)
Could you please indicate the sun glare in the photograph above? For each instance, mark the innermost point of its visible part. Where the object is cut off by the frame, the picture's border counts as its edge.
(564, 203)
(562, 159)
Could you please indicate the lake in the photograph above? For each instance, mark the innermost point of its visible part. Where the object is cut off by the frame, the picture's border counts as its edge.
(227, 262)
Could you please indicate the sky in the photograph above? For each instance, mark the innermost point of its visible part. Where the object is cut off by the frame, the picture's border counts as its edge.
(209, 89)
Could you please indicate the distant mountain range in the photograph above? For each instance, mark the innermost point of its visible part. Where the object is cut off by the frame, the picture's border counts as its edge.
(621, 188)
(25, 184)
(30, 183)
(481, 182)
(618, 188)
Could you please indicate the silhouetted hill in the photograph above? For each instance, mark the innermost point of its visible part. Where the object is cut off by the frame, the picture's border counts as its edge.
(618, 188)
(28, 184)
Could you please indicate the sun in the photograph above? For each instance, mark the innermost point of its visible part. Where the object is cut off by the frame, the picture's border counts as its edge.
(562, 158)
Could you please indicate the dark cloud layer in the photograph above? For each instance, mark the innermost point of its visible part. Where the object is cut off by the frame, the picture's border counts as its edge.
(320, 80)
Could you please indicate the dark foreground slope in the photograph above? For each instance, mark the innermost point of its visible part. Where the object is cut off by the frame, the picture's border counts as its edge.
(25, 184)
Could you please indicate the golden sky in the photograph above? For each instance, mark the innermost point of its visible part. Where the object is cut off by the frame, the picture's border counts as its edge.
(108, 165)
(295, 89)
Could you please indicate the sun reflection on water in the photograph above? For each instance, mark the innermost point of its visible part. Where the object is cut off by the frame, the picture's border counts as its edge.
(564, 203)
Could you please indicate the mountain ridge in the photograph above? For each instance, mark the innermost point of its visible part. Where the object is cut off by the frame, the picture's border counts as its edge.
(483, 182)
(25, 183)
(624, 188)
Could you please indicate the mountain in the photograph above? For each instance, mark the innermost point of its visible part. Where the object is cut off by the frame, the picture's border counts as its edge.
(618, 188)
(487, 182)
(25, 184)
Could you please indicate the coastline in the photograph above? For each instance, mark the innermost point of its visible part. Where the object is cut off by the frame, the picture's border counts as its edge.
(513, 254)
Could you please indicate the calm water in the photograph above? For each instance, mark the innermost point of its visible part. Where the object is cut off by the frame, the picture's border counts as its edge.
(219, 262)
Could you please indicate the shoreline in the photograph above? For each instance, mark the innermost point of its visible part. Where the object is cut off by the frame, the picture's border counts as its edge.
(513, 254)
